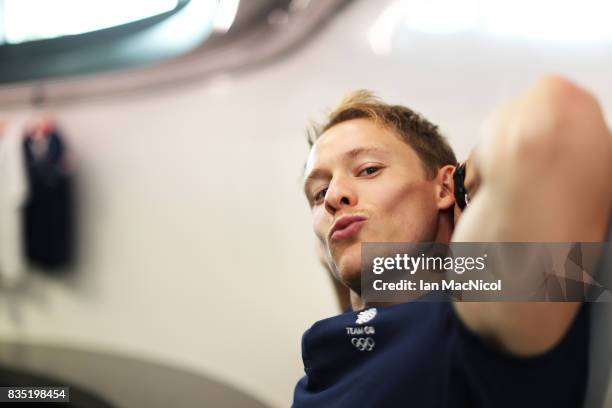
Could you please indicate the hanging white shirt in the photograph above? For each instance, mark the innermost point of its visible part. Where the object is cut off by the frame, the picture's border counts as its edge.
(13, 193)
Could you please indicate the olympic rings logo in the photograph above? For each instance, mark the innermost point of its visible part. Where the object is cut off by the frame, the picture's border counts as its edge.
(363, 343)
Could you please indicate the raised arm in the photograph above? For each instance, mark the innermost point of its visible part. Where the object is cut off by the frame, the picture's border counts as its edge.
(544, 174)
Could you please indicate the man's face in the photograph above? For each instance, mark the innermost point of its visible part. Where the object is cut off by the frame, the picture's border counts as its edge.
(365, 184)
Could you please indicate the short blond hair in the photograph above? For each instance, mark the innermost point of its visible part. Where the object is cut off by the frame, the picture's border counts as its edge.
(420, 134)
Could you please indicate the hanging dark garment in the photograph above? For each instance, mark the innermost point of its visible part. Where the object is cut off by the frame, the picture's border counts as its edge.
(49, 210)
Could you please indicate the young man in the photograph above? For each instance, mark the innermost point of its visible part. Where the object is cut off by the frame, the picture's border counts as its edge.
(381, 173)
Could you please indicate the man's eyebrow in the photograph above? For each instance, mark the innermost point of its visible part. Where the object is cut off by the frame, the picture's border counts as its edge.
(362, 150)
(351, 154)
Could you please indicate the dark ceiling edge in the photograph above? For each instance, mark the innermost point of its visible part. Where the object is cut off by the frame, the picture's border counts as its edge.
(251, 49)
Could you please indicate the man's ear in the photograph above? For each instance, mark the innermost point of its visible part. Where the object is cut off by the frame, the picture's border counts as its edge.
(445, 187)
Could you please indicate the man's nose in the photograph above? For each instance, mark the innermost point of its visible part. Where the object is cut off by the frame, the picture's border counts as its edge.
(339, 194)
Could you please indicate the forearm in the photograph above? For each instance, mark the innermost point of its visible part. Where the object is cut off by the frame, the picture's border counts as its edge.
(545, 172)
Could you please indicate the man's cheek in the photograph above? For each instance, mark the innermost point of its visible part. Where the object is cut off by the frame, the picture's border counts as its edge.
(320, 224)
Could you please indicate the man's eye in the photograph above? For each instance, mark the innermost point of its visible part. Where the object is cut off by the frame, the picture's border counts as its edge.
(368, 171)
(320, 195)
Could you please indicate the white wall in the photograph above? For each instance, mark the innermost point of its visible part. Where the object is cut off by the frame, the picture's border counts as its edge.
(197, 247)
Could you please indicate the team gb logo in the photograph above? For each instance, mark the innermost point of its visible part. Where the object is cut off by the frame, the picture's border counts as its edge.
(366, 316)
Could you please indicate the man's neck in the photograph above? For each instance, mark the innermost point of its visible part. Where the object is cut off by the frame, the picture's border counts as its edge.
(356, 301)
(443, 234)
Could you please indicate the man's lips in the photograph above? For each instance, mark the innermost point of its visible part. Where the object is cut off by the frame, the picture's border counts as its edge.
(346, 227)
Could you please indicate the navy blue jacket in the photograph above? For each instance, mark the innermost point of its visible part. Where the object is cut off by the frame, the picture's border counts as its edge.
(420, 354)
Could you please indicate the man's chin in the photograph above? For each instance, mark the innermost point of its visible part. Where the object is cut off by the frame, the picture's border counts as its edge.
(350, 276)
(347, 261)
